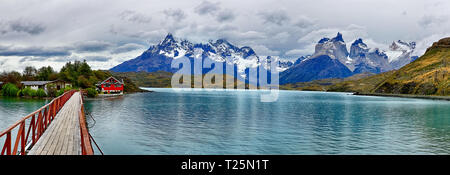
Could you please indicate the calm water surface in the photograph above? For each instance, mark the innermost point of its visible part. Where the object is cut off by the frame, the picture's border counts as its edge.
(236, 122)
(13, 109)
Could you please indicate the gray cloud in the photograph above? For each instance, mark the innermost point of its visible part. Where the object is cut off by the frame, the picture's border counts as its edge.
(278, 17)
(33, 51)
(126, 48)
(176, 14)
(214, 9)
(207, 7)
(304, 22)
(107, 26)
(65, 59)
(37, 53)
(92, 46)
(428, 20)
(225, 15)
(21, 26)
(136, 17)
(27, 27)
(97, 58)
(33, 58)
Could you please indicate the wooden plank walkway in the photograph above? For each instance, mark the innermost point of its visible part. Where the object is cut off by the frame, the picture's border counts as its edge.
(62, 137)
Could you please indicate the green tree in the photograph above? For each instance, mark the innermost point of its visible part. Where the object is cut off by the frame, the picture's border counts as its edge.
(78, 73)
(13, 77)
(85, 69)
(83, 82)
(46, 73)
(29, 73)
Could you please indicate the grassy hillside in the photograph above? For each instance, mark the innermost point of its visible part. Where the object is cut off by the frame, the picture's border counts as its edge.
(145, 79)
(162, 79)
(362, 84)
(428, 75)
(331, 84)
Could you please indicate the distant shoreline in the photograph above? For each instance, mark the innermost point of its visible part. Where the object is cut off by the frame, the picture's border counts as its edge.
(430, 97)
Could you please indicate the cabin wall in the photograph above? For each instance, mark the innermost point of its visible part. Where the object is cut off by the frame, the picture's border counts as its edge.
(61, 85)
(112, 88)
(34, 87)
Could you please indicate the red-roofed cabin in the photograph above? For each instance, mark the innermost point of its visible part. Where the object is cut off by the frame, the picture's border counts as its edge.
(111, 86)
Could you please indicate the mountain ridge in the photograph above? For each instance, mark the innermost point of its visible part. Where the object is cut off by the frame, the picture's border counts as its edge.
(427, 75)
(360, 59)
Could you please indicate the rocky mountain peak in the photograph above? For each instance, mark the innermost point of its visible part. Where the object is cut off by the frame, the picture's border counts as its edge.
(442, 43)
(247, 51)
(359, 42)
(402, 46)
(358, 49)
(323, 40)
(338, 38)
(335, 48)
(168, 39)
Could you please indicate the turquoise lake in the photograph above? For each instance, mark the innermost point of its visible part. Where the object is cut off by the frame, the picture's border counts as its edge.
(202, 121)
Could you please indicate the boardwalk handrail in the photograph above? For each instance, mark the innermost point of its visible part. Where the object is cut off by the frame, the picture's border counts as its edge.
(37, 126)
(86, 146)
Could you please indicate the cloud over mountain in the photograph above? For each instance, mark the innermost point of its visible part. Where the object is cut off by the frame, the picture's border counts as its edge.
(133, 16)
(176, 14)
(278, 17)
(207, 7)
(115, 29)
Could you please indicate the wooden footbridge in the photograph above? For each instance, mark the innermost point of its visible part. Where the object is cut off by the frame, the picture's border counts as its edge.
(58, 128)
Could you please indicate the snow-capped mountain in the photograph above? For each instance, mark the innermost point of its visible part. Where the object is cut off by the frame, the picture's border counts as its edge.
(319, 67)
(361, 58)
(159, 57)
(360, 55)
(282, 63)
(331, 58)
(400, 53)
(334, 47)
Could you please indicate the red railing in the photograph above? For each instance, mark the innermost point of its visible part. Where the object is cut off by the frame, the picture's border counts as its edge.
(39, 122)
(86, 146)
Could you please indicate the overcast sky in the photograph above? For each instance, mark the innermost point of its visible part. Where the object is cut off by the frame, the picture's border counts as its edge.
(108, 32)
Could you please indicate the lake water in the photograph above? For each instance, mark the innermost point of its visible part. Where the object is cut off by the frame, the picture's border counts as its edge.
(14, 109)
(237, 122)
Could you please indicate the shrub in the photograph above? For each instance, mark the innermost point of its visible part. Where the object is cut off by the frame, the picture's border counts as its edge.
(51, 90)
(19, 93)
(91, 92)
(60, 92)
(28, 92)
(25, 91)
(9, 89)
(67, 88)
(40, 93)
